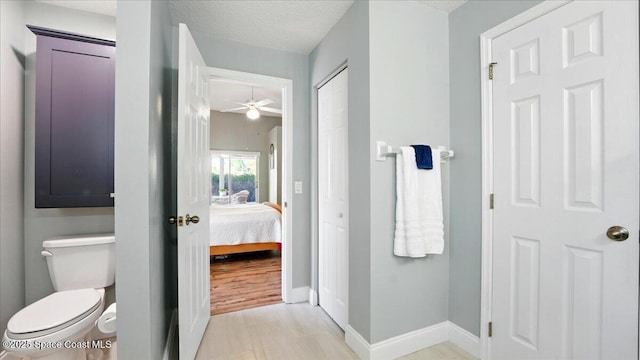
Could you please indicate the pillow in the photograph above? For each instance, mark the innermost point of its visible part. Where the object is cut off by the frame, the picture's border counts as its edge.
(240, 197)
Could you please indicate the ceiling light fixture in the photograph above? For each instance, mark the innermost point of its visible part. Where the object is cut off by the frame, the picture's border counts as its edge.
(253, 113)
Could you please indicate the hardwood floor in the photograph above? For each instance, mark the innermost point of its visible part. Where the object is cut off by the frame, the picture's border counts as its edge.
(243, 281)
(291, 331)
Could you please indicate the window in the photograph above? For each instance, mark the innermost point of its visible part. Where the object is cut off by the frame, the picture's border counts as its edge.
(234, 171)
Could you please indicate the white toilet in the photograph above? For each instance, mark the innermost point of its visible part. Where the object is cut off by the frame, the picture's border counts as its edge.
(55, 327)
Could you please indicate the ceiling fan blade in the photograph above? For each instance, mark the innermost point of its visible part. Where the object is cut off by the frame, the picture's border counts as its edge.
(234, 109)
(264, 102)
(271, 110)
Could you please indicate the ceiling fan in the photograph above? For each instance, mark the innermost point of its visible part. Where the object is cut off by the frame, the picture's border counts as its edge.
(254, 107)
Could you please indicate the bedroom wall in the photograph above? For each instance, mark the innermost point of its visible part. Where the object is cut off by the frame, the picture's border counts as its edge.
(237, 56)
(465, 26)
(145, 244)
(12, 27)
(275, 173)
(231, 131)
(40, 224)
(409, 49)
(348, 41)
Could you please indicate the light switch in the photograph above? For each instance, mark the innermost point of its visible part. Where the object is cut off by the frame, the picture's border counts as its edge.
(298, 187)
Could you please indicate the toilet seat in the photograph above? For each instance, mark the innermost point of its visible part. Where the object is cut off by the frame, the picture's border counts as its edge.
(54, 313)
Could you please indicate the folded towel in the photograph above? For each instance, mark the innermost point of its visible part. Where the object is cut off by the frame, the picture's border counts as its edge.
(423, 156)
(419, 219)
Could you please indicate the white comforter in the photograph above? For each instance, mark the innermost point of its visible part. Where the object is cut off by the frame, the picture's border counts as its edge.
(243, 224)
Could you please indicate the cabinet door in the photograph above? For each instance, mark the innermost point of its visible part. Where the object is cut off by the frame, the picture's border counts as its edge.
(75, 84)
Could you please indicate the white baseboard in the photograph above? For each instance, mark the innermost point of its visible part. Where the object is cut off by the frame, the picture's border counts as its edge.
(171, 336)
(299, 294)
(412, 341)
(464, 339)
(357, 343)
(313, 297)
(398, 346)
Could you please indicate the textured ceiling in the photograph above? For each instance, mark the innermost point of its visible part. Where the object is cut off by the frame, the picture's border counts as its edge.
(225, 94)
(105, 7)
(444, 5)
(294, 26)
(289, 25)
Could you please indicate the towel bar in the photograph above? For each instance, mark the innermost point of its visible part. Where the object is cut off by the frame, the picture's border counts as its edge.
(384, 150)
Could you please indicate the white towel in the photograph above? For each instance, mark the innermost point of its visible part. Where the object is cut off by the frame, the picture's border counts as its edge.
(419, 221)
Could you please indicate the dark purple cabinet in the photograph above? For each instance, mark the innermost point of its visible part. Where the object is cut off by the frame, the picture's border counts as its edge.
(75, 89)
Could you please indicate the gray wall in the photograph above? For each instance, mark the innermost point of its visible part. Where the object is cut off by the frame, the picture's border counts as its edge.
(275, 173)
(231, 131)
(11, 160)
(409, 47)
(348, 41)
(145, 277)
(465, 26)
(40, 224)
(237, 56)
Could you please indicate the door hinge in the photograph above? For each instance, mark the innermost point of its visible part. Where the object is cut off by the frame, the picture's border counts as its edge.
(491, 70)
(491, 201)
(490, 328)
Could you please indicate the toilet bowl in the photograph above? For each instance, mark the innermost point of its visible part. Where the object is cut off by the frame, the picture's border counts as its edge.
(56, 327)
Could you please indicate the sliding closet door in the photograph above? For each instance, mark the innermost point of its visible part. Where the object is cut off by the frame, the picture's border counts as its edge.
(333, 173)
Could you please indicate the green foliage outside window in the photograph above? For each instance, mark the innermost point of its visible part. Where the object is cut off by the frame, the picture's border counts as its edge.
(238, 183)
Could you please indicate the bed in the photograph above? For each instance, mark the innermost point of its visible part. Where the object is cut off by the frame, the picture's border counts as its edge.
(238, 228)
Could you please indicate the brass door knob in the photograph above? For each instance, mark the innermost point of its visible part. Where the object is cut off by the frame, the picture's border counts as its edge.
(173, 220)
(617, 233)
(192, 219)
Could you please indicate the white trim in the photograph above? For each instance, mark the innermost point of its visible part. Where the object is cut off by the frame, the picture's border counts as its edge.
(287, 154)
(299, 294)
(171, 336)
(487, 156)
(357, 343)
(397, 346)
(313, 297)
(234, 152)
(464, 339)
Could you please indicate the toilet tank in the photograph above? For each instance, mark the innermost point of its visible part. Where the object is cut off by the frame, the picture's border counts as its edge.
(79, 262)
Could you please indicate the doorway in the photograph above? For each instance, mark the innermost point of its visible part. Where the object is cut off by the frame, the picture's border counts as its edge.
(560, 238)
(244, 171)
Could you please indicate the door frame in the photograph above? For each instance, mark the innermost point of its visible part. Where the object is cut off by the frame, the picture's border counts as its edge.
(287, 156)
(486, 89)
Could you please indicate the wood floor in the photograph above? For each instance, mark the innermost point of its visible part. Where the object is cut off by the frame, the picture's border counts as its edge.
(291, 331)
(243, 281)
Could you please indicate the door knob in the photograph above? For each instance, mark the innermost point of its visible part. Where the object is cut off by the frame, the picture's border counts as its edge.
(617, 233)
(192, 219)
(173, 220)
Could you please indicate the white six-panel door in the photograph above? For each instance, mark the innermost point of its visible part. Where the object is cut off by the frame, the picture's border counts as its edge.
(333, 183)
(565, 106)
(193, 195)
